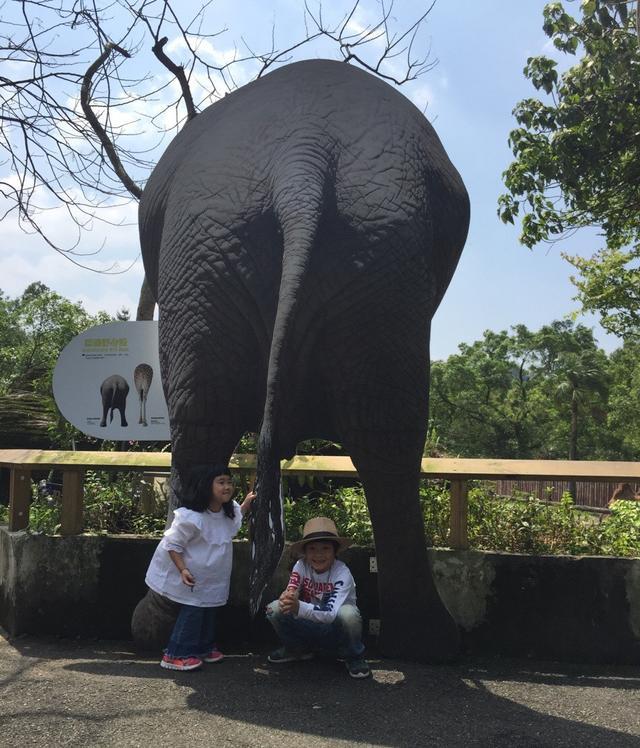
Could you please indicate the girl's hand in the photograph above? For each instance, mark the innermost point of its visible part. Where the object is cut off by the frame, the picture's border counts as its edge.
(248, 500)
(188, 578)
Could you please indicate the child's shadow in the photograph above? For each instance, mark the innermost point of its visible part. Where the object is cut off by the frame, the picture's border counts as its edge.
(404, 704)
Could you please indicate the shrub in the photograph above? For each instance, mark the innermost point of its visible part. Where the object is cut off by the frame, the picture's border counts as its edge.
(347, 507)
(620, 534)
(517, 524)
(524, 524)
(111, 505)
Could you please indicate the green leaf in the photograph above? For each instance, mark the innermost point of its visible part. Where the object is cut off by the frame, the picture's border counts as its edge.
(576, 159)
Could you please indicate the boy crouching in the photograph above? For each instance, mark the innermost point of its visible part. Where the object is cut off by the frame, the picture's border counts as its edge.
(317, 611)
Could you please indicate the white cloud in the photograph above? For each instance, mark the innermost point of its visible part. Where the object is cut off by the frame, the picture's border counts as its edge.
(420, 93)
(19, 268)
(214, 55)
(25, 258)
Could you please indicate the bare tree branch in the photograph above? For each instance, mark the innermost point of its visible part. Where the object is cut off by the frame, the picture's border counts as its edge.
(85, 94)
(82, 122)
(178, 71)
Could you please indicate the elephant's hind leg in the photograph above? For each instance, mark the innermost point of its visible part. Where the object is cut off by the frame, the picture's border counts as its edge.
(414, 622)
(105, 411)
(143, 408)
(380, 381)
(210, 366)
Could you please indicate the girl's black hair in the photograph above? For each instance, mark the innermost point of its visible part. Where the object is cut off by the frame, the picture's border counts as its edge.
(196, 493)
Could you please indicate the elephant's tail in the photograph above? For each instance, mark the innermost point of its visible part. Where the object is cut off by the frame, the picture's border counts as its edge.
(298, 197)
(113, 399)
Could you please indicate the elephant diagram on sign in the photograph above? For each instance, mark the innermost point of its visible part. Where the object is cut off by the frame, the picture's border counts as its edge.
(114, 391)
(299, 235)
(142, 377)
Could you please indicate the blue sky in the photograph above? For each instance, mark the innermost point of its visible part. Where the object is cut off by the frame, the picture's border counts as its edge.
(481, 50)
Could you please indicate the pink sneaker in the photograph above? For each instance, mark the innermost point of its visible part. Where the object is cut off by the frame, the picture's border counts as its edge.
(213, 656)
(180, 663)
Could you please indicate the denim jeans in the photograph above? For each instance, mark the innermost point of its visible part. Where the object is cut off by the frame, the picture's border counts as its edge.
(342, 637)
(193, 632)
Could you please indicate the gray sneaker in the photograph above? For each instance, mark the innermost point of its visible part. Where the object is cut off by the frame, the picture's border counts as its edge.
(289, 655)
(358, 667)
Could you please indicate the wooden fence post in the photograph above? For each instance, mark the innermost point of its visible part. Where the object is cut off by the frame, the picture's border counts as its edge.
(72, 502)
(146, 482)
(19, 499)
(458, 538)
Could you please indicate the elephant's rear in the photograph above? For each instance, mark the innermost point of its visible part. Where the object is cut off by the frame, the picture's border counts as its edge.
(279, 205)
(387, 164)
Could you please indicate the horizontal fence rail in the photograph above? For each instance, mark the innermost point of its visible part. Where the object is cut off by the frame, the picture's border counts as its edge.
(22, 462)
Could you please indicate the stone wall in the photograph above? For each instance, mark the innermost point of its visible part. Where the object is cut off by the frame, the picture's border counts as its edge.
(583, 609)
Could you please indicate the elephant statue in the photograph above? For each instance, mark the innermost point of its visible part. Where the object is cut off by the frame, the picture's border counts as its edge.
(142, 378)
(298, 236)
(114, 391)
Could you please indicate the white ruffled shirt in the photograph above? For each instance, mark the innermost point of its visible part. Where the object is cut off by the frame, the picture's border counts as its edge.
(204, 540)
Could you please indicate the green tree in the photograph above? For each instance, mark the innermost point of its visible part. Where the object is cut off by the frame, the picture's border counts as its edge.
(623, 424)
(583, 378)
(577, 154)
(480, 399)
(582, 386)
(572, 372)
(525, 395)
(34, 328)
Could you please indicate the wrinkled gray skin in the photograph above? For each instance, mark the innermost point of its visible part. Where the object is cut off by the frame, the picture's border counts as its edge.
(114, 391)
(299, 235)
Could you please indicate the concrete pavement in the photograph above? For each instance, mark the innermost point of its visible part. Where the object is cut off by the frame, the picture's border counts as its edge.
(57, 692)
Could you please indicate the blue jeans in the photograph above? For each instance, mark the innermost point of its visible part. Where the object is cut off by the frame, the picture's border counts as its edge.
(193, 632)
(342, 637)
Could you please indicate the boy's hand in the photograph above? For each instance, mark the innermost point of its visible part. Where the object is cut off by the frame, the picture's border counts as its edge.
(248, 500)
(188, 578)
(289, 602)
(289, 592)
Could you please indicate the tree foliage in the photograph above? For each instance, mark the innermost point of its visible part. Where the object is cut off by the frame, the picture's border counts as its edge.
(34, 328)
(624, 397)
(577, 153)
(550, 394)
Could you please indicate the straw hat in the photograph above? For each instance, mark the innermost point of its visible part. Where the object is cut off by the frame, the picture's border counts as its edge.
(319, 528)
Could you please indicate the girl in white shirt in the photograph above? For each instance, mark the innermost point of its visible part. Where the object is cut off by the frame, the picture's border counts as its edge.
(192, 564)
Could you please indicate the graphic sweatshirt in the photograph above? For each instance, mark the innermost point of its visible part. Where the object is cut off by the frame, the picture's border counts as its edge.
(321, 595)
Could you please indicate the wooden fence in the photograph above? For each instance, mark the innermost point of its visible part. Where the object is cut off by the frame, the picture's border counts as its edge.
(595, 495)
(21, 463)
